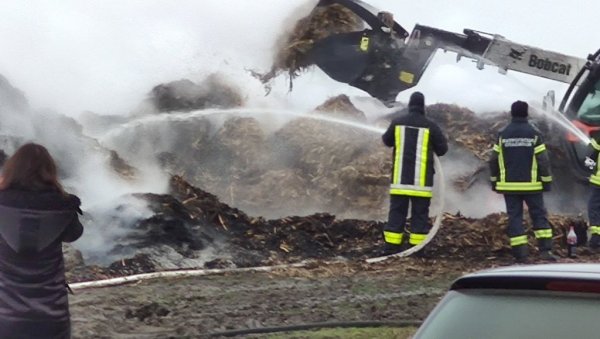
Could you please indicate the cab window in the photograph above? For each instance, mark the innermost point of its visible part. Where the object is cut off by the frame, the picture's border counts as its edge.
(590, 108)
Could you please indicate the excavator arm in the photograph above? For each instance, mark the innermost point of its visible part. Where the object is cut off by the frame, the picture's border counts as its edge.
(384, 59)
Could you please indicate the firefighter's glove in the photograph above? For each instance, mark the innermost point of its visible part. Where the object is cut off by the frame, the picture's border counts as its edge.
(547, 186)
(589, 163)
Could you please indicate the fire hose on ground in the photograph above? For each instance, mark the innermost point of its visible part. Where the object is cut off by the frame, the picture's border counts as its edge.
(316, 326)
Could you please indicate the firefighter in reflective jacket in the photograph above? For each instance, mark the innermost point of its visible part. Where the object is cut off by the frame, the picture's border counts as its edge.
(520, 170)
(592, 162)
(415, 139)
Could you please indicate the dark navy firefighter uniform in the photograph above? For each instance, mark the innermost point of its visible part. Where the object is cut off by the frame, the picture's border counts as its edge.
(520, 170)
(415, 139)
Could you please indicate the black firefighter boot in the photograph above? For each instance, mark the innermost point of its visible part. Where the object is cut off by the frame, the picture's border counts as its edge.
(390, 249)
(521, 253)
(545, 247)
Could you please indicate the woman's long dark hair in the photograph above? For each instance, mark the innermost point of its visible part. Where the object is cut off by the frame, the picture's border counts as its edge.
(30, 168)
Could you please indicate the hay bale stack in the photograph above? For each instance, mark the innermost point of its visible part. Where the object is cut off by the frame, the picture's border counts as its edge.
(341, 107)
(242, 140)
(185, 95)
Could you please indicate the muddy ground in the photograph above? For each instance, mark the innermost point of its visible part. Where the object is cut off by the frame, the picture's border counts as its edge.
(196, 307)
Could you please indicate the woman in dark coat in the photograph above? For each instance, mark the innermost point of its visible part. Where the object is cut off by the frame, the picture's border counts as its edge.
(36, 217)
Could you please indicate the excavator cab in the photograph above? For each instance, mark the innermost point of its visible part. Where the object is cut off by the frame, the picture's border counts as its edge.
(581, 105)
(589, 111)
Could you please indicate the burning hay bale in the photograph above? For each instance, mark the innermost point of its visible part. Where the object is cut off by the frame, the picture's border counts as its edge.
(466, 129)
(295, 169)
(185, 95)
(281, 190)
(179, 145)
(244, 142)
(321, 22)
(341, 107)
(304, 166)
(318, 146)
(330, 155)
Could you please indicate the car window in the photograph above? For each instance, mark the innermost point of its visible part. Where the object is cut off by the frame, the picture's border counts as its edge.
(523, 314)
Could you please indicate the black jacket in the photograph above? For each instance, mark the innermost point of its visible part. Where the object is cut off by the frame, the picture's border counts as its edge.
(519, 162)
(415, 139)
(33, 295)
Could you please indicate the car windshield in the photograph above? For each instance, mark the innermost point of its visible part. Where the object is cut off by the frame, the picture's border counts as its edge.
(522, 314)
(590, 108)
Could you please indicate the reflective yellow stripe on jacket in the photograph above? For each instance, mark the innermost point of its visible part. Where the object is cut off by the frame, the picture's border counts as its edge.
(595, 178)
(595, 144)
(364, 43)
(417, 187)
(533, 185)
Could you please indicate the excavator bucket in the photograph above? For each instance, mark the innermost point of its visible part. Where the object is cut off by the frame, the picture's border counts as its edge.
(352, 43)
(340, 57)
(370, 59)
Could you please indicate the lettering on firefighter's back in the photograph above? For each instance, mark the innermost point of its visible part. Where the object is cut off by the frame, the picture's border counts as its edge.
(518, 142)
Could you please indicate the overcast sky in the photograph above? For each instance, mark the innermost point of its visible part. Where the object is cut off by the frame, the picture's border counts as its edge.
(103, 56)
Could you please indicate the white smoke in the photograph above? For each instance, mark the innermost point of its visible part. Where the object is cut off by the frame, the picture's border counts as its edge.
(475, 199)
(109, 223)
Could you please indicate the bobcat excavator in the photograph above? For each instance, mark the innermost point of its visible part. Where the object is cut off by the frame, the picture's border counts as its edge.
(384, 59)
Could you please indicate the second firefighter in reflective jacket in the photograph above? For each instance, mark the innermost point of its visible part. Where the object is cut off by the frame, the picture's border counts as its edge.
(415, 140)
(520, 170)
(594, 202)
